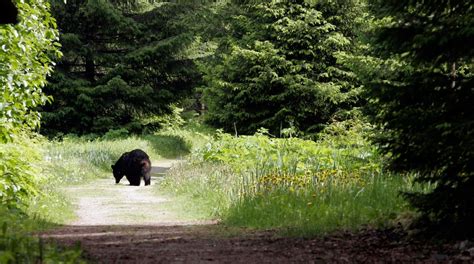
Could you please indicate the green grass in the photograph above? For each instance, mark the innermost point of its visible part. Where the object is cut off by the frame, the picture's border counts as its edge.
(216, 192)
(168, 145)
(376, 203)
(76, 159)
(51, 206)
(187, 207)
(201, 187)
(297, 186)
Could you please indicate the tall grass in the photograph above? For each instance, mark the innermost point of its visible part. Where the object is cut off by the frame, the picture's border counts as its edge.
(324, 209)
(75, 159)
(300, 186)
(209, 186)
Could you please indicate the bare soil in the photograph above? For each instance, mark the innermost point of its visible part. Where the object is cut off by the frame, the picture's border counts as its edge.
(128, 224)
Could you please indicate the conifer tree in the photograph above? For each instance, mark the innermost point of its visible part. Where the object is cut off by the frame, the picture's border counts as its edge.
(276, 66)
(421, 93)
(119, 67)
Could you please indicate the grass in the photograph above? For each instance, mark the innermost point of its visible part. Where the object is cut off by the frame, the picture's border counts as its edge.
(323, 210)
(297, 186)
(217, 191)
(75, 159)
(202, 186)
(18, 245)
(187, 208)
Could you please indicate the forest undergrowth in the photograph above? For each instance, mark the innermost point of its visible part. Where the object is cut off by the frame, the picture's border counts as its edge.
(299, 187)
(30, 203)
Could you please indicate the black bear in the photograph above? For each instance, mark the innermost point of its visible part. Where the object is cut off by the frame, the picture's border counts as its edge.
(134, 165)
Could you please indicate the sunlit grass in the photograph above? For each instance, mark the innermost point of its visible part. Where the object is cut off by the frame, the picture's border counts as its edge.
(304, 211)
(205, 187)
(78, 159)
(297, 186)
(74, 160)
(322, 209)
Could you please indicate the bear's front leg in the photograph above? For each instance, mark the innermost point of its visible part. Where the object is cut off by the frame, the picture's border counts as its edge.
(147, 179)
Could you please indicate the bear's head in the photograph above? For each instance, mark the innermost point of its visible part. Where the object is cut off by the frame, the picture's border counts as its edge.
(118, 173)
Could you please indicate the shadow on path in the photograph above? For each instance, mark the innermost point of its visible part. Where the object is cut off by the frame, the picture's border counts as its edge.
(159, 171)
(201, 243)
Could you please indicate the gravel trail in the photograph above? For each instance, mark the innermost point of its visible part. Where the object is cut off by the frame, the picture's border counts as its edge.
(102, 202)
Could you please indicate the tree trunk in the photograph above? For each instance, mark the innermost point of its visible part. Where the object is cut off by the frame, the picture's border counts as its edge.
(90, 68)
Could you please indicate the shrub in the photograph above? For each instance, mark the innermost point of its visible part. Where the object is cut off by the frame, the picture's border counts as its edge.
(19, 177)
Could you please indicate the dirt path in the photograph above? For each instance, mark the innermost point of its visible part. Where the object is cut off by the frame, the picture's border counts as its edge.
(101, 202)
(127, 224)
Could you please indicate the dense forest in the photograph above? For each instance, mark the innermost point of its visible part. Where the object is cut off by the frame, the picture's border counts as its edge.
(277, 105)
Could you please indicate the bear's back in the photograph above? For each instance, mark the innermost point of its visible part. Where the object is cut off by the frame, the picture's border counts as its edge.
(138, 154)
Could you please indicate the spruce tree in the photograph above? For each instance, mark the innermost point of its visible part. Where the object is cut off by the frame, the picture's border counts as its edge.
(119, 67)
(421, 95)
(276, 66)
